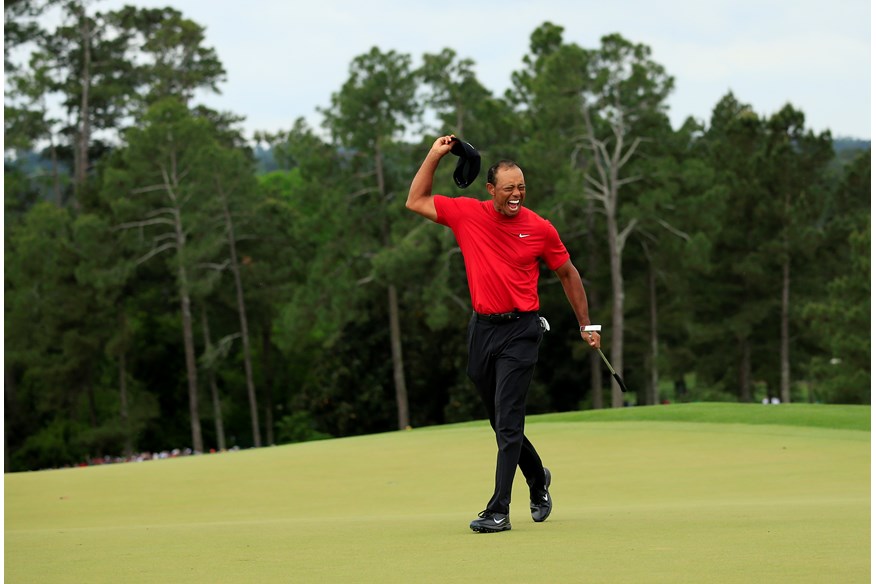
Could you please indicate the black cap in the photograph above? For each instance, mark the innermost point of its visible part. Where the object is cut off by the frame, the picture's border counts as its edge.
(469, 164)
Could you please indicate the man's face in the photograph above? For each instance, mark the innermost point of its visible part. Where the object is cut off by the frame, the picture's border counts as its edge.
(509, 192)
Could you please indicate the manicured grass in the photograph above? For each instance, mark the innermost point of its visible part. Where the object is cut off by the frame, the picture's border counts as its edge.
(660, 496)
(811, 415)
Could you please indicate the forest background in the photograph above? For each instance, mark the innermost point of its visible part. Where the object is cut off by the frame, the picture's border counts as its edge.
(170, 283)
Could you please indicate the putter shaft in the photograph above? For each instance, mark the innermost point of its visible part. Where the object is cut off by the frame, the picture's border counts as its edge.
(614, 374)
(607, 364)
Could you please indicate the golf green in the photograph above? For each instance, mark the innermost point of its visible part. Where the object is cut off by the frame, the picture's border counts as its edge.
(634, 501)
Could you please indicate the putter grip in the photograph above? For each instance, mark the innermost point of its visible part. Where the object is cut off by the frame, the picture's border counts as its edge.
(620, 382)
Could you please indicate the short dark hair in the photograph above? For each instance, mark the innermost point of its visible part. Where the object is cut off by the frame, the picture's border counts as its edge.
(504, 163)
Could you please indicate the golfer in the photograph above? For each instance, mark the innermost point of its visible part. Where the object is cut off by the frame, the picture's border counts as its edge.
(501, 243)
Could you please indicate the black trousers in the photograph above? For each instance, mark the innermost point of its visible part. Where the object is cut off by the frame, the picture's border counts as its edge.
(501, 361)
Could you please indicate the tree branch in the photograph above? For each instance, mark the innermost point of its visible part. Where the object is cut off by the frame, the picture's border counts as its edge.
(459, 301)
(155, 251)
(673, 230)
(628, 180)
(145, 223)
(168, 187)
(626, 157)
(617, 130)
(164, 236)
(361, 192)
(600, 149)
(148, 189)
(213, 266)
(601, 188)
(623, 235)
(161, 211)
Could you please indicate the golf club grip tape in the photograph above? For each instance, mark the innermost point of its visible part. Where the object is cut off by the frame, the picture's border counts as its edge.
(620, 382)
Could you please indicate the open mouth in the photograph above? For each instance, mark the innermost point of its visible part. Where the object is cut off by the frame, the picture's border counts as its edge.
(513, 204)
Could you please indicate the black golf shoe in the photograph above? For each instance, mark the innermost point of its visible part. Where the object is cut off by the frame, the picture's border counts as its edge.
(540, 503)
(490, 522)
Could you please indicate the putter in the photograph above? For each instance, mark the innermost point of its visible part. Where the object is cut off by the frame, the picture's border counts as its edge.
(597, 328)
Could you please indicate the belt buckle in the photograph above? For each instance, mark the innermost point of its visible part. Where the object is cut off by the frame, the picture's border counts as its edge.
(504, 317)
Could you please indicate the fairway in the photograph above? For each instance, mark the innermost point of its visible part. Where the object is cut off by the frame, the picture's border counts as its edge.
(635, 500)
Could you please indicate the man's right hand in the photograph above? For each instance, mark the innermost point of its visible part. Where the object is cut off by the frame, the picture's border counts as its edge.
(420, 196)
(442, 145)
(592, 338)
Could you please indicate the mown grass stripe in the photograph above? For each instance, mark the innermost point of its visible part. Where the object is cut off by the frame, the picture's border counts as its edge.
(803, 415)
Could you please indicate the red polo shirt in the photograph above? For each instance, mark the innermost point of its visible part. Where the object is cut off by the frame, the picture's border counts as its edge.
(501, 253)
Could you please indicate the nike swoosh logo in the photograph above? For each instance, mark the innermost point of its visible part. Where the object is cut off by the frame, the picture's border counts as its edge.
(522, 235)
(497, 521)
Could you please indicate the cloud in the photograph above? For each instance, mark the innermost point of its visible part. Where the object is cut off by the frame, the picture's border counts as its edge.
(830, 57)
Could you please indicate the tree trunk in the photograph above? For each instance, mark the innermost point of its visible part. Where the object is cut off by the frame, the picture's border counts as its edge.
(745, 371)
(191, 369)
(123, 385)
(398, 366)
(653, 396)
(594, 297)
(92, 401)
(784, 349)
(617, 309)
(123, 399)
(217, 411)
(608, 184)
(185, 304)
(268, 383)
(244, 326)
(81, 156)
(214, 389)
(10, 411)
(56, 173)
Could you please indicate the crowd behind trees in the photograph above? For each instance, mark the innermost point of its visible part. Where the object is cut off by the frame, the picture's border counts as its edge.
(166, 287)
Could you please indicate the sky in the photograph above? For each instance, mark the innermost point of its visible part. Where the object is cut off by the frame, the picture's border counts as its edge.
(285, 58)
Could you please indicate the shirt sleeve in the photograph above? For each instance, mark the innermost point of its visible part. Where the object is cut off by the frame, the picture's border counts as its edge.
(554, 253)
(449, 209)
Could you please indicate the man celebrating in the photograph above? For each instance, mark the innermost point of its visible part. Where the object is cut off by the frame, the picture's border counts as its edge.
(501, 243)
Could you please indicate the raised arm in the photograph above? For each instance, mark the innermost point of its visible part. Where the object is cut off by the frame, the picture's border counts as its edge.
(420, 196)
(574, 289)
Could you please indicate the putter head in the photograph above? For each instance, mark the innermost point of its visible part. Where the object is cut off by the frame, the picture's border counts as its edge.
(620, 382)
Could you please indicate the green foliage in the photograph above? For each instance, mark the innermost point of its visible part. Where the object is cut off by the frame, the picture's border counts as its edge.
(176, 60)
(56, 444)
(56, 353)
(298, 427)
(842, 320)
(375, 102)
